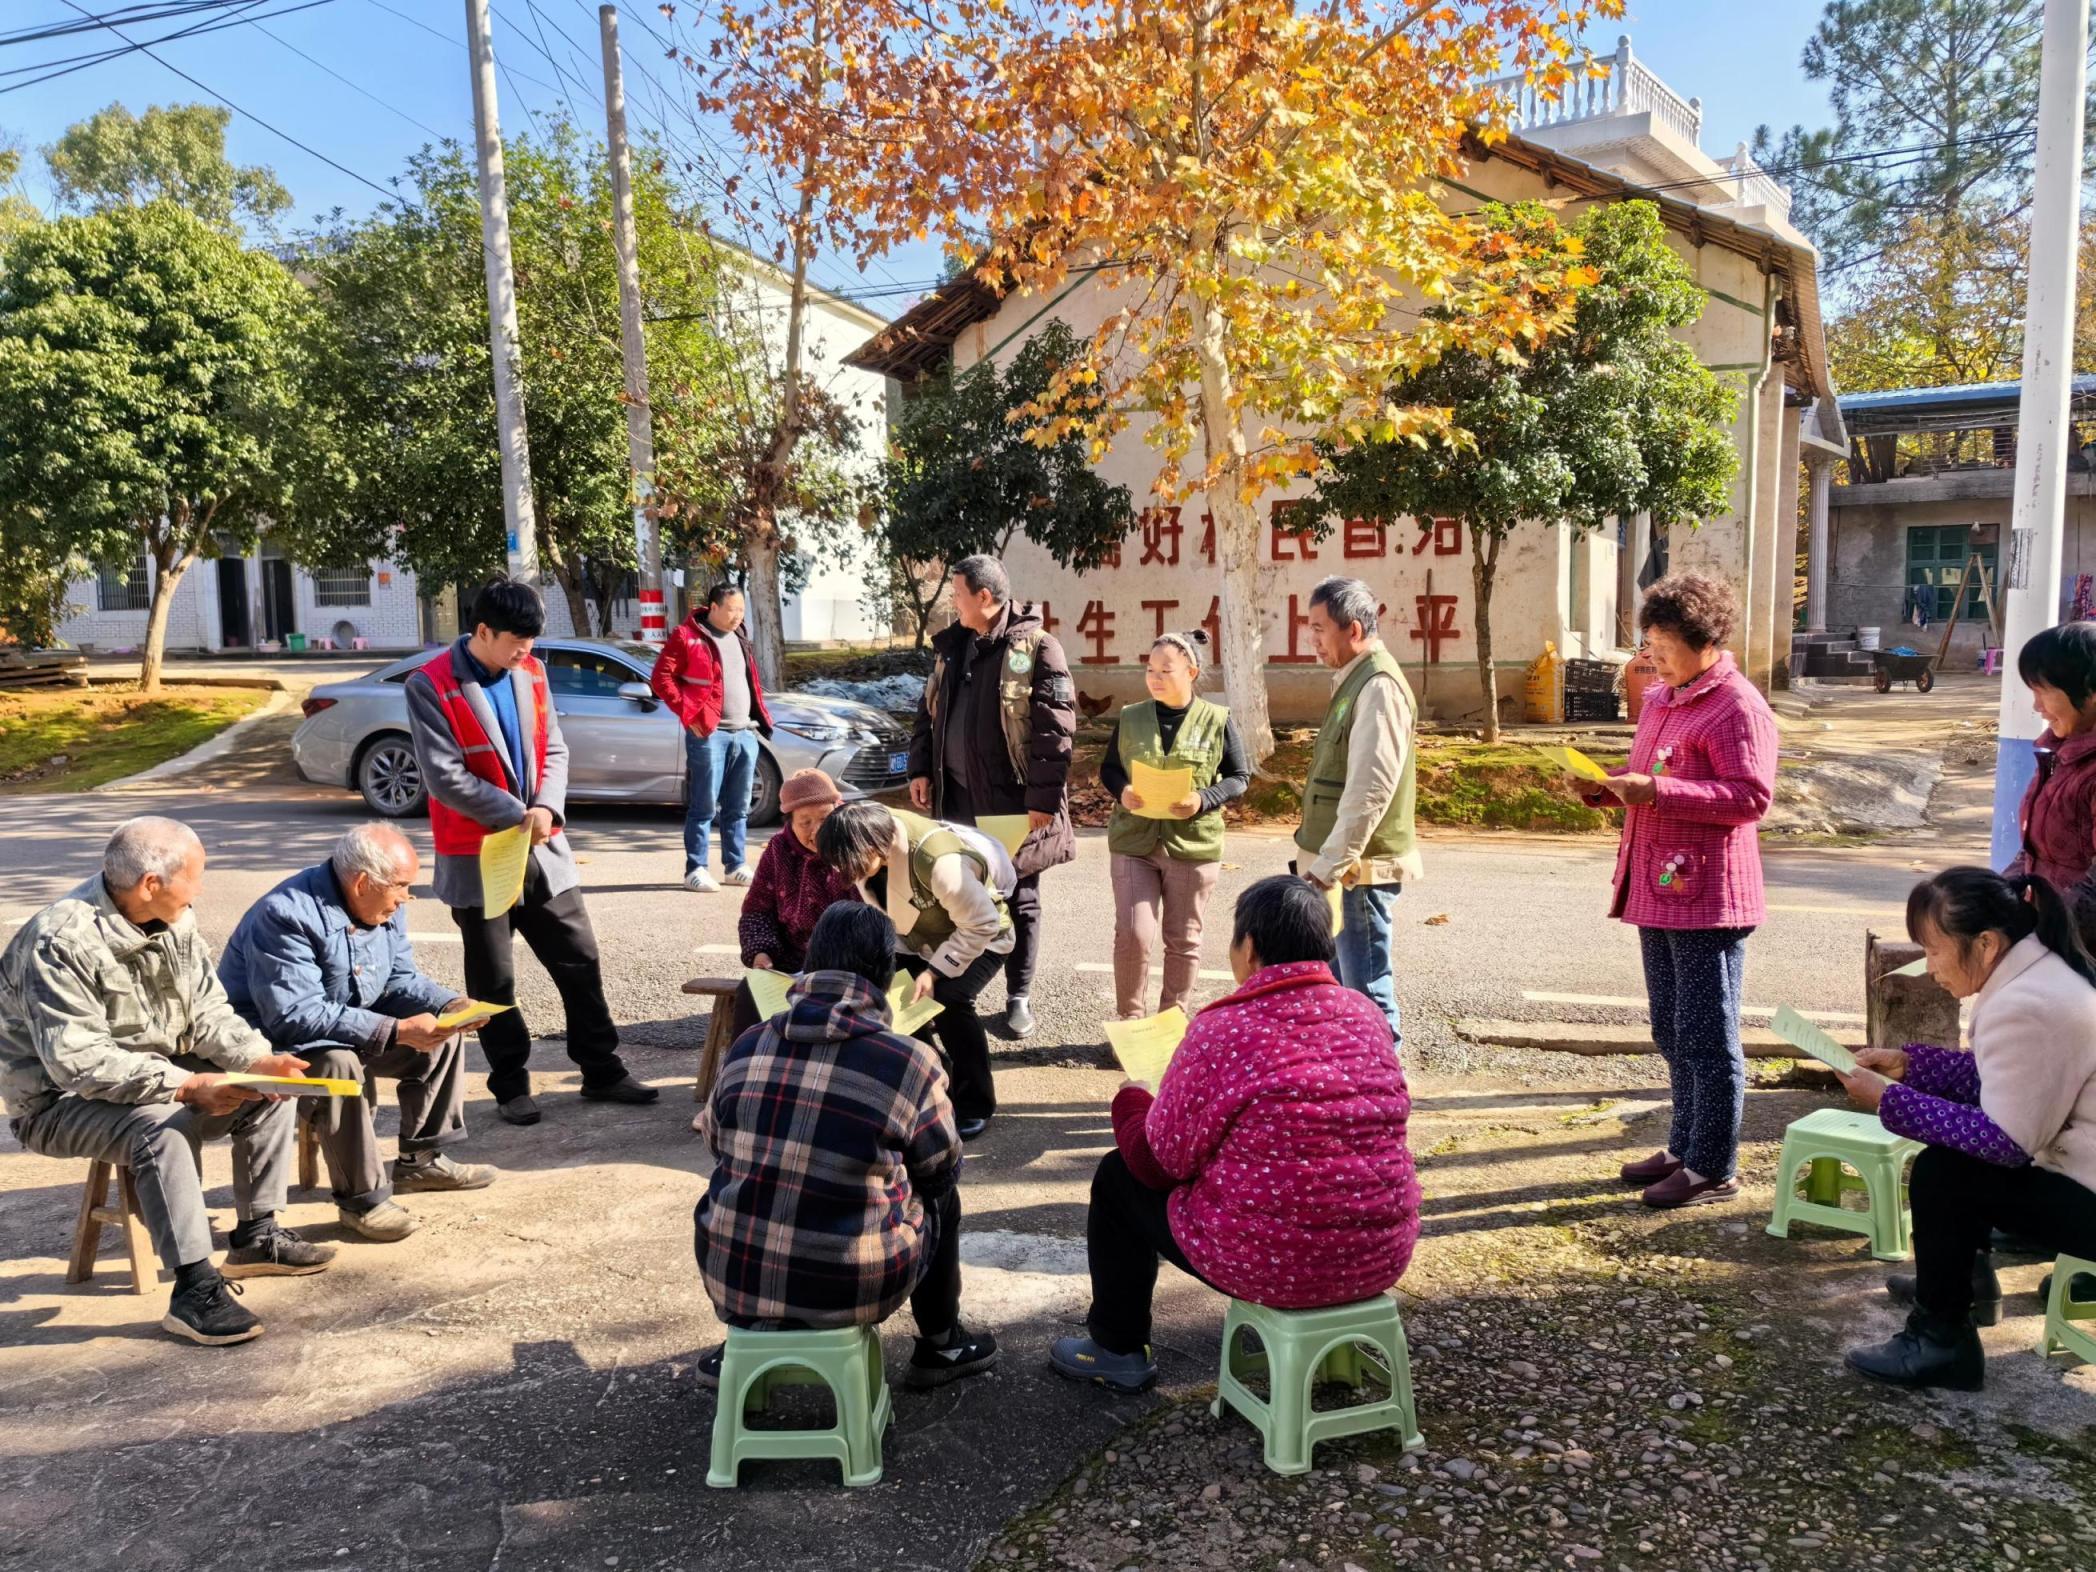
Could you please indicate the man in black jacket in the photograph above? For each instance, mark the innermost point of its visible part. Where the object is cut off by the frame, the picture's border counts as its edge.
(994, 733)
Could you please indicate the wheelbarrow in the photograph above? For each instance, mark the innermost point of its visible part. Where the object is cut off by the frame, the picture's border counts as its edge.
(1902, 665)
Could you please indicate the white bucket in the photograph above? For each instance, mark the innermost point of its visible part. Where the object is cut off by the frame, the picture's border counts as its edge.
(1866, 638)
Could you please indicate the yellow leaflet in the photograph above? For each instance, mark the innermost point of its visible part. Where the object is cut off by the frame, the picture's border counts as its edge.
(1573, 762)
(1145, 1047)
(1801, 1034)
(1008, 829)
(296, 1085)
(768, 989)
(471, 1010)
(504, 855)
(909, 1014)
(1159, 789)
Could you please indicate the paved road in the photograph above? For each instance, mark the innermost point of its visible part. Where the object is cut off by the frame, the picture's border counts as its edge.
(1524, 935)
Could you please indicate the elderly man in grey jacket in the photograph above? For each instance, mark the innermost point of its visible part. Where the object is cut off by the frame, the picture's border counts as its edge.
(114, 1033)
(323, 967)
(492, 758)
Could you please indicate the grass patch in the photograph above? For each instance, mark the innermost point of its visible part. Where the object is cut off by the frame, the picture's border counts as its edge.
(1463, 784)
(74, 739)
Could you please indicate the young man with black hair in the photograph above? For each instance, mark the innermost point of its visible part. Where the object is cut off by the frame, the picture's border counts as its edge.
(492, 757)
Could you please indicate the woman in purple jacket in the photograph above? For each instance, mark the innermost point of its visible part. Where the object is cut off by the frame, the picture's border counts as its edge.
(1688, 875)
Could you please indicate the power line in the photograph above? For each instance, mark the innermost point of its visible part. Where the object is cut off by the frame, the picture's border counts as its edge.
(203, 87)
(66, 65)
(346, 82)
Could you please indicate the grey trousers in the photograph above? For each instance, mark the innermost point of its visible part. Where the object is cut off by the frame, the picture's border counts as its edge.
(161, 1143)
(432, 1097)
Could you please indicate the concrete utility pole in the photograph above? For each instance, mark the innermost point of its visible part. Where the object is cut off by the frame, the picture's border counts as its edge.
(640, 429)
(522, 542)
(2031, 566)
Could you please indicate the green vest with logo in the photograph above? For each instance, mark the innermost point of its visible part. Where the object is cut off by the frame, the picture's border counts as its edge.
(928, 841)
(1393, 836)
(1200, 744)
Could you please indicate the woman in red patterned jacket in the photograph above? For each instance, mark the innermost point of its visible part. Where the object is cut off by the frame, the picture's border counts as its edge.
(793, 887)
(2058, 816)
(1688, 875)
(1272, 1162)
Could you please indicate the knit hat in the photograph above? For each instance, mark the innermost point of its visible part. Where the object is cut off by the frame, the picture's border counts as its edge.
(808, 789)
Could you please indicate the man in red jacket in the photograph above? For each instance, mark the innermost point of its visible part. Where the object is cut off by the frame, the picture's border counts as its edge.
(707, 675)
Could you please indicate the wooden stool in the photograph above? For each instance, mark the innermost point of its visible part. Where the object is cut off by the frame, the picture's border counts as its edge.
(308, 1154)
(720, 1028)
(95, 1214)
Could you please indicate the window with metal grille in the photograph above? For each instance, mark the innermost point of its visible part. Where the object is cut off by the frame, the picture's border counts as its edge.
(1936, 557)
(341, 586)
(125, 588)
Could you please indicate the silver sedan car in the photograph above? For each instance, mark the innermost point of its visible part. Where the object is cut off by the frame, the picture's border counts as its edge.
(623, 744)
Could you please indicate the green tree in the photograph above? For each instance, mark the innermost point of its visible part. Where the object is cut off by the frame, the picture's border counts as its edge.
(149, 388)
(1611, 417)
(175, 153)
(403, 347)
(17, 212)
(964, 475)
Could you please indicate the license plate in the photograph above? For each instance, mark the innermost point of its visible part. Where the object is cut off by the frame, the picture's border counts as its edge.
(898, 763)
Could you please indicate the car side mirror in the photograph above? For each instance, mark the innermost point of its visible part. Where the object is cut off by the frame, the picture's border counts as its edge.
(640, 693)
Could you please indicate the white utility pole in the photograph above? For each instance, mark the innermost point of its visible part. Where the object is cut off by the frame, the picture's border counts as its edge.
(2030, 568)
(522, 542)
(640, 430)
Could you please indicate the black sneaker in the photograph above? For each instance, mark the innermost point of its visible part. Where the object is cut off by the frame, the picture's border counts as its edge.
(624, 1090)
(207, 1313)
(1927, 1352)
(965, 1354)
(710, 1367)
(276, 1252)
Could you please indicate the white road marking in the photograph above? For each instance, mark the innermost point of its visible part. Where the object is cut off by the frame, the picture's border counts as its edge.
(436, 938)
(1615, 1001)
(1889, 910)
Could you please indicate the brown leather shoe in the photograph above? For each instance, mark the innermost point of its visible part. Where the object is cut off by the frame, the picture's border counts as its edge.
(1677, 1190)
(1650, 1170)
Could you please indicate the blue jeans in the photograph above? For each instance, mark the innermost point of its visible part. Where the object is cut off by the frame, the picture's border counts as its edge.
(718, 771)
(1694, 978)
(1364, 947)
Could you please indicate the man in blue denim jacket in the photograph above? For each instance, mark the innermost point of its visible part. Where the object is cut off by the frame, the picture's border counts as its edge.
(322, 965)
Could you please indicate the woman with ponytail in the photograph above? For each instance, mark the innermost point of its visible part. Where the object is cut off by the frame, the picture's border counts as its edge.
(1167, 855)
(2010, 1127)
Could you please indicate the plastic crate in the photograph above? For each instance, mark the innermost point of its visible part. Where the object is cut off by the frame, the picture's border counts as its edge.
(1592, 706)
(1590, 676)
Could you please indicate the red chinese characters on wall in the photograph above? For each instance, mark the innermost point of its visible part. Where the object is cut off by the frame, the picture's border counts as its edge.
(1161, 530)
(1300, 652)
(1362, 540)
(1444, 535)
(1435, 624)
(1096, 626)
(1289, 533)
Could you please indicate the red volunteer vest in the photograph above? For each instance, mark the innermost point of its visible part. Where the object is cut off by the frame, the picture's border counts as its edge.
(455, 834)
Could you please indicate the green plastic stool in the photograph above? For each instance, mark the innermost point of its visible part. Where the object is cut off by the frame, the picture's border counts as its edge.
(2062, 1312)
(756, 1364)
(1298, 1348)
(1833, 1141)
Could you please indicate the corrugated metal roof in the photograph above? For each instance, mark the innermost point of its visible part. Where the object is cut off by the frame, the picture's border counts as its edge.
(1972, 395)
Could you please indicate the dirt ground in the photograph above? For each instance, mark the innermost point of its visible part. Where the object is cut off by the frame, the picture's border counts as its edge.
(512, 1386)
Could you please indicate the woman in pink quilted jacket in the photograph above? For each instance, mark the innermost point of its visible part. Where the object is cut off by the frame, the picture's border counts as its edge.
(1688, 875)
(1271, 1163)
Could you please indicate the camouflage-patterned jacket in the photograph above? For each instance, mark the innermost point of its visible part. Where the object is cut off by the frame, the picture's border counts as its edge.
(93, 1005)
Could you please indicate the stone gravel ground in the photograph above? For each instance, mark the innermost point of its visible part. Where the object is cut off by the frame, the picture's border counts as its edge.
(1605, 1387)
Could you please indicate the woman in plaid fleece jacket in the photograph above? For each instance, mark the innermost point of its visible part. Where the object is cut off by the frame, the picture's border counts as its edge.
(832, 1196)
(1688, 875)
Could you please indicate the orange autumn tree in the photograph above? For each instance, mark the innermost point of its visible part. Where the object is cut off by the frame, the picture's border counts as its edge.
(1252, 186)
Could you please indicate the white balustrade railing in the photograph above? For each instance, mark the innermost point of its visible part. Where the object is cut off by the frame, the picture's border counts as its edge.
(1753, 186)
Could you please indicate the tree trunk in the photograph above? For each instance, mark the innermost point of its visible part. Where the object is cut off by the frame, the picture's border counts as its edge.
(169, 565)
(1484, 568)
(1242, 617)
(571, 588)
(762, 548)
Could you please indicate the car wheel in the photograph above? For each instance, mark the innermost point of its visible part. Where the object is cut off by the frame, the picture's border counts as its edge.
(389, 778)
(764, 791)
(1925, 681)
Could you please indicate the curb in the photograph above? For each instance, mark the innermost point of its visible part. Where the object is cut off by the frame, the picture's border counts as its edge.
(1595, 1041)
(280, 700)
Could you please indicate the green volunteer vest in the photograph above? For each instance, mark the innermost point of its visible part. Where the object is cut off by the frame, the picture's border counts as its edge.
(1199, 743)
(928, 842)
(1393, 836)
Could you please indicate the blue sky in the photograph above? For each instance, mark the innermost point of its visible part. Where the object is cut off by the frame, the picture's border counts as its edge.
(359, 82)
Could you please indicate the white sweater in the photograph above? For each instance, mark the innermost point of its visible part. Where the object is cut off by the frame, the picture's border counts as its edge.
(2034, 1039)
(976, 927)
